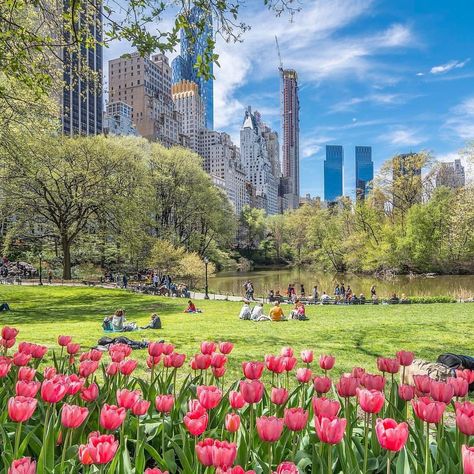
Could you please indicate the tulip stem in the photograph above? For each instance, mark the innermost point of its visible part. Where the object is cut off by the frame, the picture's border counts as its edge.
(427, 449)
(65, 446)
(329, 459)
(270, 456)
(366, 442)
(17, 439)
(163, 437)
(389, 462)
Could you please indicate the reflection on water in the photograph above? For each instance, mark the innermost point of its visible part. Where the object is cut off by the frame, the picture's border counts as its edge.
(264, 280)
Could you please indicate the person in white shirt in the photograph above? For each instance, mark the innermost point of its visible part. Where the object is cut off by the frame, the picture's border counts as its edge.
(245, 312)
(257, 312)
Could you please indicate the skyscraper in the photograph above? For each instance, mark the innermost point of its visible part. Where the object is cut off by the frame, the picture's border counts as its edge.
(290, 110)
(333, 172)
(451, 174)
(184, 65)
(81, 98)
(364, 170)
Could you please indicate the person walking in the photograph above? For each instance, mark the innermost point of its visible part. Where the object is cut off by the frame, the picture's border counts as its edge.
(372, 291)
(125, 281)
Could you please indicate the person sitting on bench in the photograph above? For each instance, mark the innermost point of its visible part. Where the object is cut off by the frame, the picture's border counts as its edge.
(4, 307)
(155, 322)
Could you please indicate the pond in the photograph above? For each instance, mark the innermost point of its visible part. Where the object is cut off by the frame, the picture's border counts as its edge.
(231, 283)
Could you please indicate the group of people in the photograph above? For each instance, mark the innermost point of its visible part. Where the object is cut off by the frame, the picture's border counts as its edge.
(118, 323)
(276, 312)
(249, 290)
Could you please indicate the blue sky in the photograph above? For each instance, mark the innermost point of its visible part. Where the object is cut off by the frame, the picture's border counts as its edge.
(396, 75)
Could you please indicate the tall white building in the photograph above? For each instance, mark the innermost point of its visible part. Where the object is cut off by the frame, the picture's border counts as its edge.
(260, 161)
(451, 174)
(222, 162)
(118, 119)
(190, 105)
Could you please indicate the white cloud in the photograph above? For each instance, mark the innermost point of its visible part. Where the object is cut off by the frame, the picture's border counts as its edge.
(454, 64)
(403, 137)
(311, 145)
(379, 99)
(461, 120)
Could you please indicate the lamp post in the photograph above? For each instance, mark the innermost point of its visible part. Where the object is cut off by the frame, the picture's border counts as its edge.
(40, 269)
(206, 293)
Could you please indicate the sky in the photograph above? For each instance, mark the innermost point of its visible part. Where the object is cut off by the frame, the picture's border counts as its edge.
(396, 75)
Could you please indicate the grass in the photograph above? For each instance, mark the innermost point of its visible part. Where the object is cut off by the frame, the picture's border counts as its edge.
(355, 334)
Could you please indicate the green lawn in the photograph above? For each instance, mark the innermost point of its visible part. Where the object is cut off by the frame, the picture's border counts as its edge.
(356, 335)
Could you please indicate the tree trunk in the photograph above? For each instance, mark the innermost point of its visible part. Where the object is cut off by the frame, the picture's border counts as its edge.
(66, 246)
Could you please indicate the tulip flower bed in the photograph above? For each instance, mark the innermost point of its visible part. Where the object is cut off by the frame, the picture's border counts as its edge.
(88, 412)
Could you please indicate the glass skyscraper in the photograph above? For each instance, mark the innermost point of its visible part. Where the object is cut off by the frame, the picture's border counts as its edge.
(364, 170)
(184, 65)
(333, 172)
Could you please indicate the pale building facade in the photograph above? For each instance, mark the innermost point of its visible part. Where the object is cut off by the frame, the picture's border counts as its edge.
(451, 174)
(118, 119)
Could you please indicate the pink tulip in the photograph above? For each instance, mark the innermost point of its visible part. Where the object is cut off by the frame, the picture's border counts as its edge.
(391, 435)
(90, 393)
(371, 401)
(21, 409)
(385, 364)
(127, 398)
(21, 359)
(204, 451)
(177, 360)
(232, 422)
(100, 449)
(208, 347)
(347, 386)
(22, 466)
(441, 391)
(466, 374)
(428, 410)
(88, 367)
(307, 356)
(73, 348)
(405, 358)
(74, 384)
(218, 360)
(460, 386)
(287, 467)
(406, 392)
(53, 392)
(7, 343)
(330, 430)
(326, 362)
(196, 422)
(295, 419)
(49, 373)
(164, 403)
(201, 362)
(63, 341)
(155, 349)
(322, 384)
(112, 369)
(252, 391)
(269, 428)
(358, 373)
(26, 374)
(218, 372)
(236, 400)
(468, 459)
(73, 416)
(373, 382)
(126, 367)
(9, 333)
(111, 417)
(325, 407)
(209, 396)
(154, 470)
(4, 368)
(253, 370)
(286, 351)
(27, 389)
(422, 384)
(141, 407)
(226, 347)
(303, 375)
(465, 417)
(279, 396)
(275, 364)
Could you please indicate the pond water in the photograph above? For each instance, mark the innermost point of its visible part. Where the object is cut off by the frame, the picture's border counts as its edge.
(231, 283)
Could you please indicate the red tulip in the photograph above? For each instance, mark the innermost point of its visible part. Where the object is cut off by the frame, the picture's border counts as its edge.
(21, 409)
(289, 363)
(358, 373)
(466, 374)
(152, 361)
(373, 382)
(141, 407)
(232, 422)
(218, 372)
(116, 355)
(4, 368)
(87, 368)
(201, 362)
(325, 407)
(441, 391)
(27, 389)
(49, 373)
(406, 392)
(303, 375)
(269, 428)
(295, 419)
(155, 470)
(53, 392)
(347, 386)
(252, 391)
(428, 410)
(119, 347)
(322, 384)
(468, 459)
(196, 422)
(253, 370)
(21, 359)
(279, 396)
(111, 417)
(226, 347)
(236, 400)
(112, 369)
(405, 358)
(326, 362)
(218, 360)
(177, 360)
(208, 347)
(330, 430)
(234, 470)
(23, 466)
(371, 401)
(26, 374)
(209, 396)
(274, 364)
(460, 386)
(73, 348)
(223, 454)
(90, 393)
(127, 398)
(465, 417)
(74, 384)
(422, 383)
(100, 449)
(287, 467)
(7, 343)
(391, 435)
(307, 356)
(38, 351)
(194, 405)
(64, 340)
(155, 349)
(73, 416)
(164, 403)
(26, 347)
(204, 451)
(385, 364)
(9, 333)
(126, 367)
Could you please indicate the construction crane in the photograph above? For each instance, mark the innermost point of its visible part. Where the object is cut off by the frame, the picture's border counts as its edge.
(279, 54)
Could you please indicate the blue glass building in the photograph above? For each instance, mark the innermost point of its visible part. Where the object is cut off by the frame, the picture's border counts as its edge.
(184, 65)
(364, 170)
(333, 172)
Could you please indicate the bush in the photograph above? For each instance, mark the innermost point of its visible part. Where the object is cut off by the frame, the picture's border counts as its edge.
(432, 299)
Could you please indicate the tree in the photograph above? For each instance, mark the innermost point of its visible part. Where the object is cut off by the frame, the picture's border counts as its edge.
(192, 269)
(61, 188)
(252, 227)
(165, 257)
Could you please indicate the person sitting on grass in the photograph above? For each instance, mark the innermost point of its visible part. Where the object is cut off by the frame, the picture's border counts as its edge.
(276, 313)
(155, 322)
(118, 322)
(192, 308)
(245, 311)
(4, 307)
(299, 312)
(257, 312)
(325, 298)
